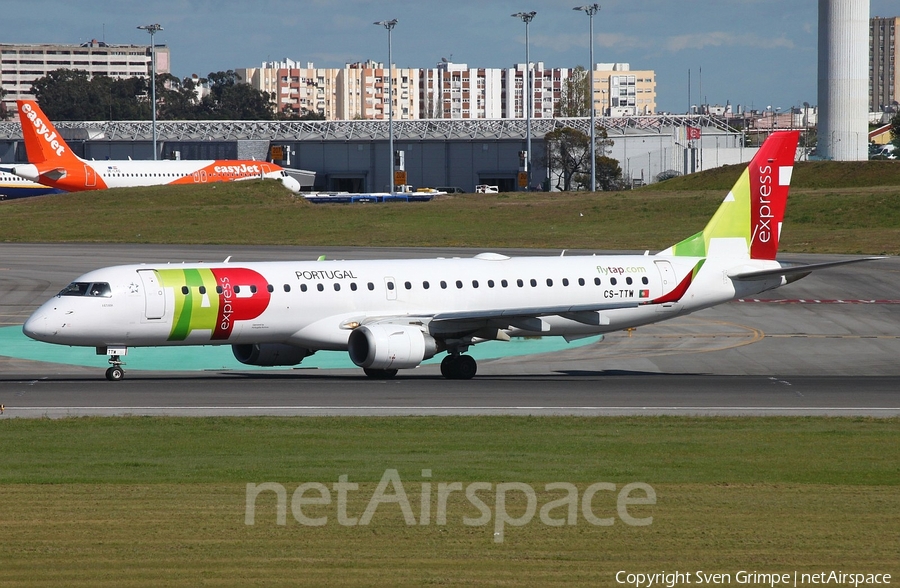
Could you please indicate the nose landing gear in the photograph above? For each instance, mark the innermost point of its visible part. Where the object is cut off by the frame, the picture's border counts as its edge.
(115, 373)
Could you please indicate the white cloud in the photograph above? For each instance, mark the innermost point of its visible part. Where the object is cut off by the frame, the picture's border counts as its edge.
(723, 39)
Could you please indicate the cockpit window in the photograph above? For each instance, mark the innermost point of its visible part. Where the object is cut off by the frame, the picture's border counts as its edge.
(101, 289)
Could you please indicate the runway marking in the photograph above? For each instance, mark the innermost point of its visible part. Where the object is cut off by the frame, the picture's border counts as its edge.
(815, 301)
(821, 336)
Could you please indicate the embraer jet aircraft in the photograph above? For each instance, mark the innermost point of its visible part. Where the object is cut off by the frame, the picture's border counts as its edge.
(52, 163)
(394, 314)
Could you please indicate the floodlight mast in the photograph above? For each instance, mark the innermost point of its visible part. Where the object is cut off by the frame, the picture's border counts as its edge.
(152, 29)
(527, 17)
(591, 10)
(389, 25)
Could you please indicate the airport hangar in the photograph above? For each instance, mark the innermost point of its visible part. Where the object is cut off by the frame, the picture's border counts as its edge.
(353, 155)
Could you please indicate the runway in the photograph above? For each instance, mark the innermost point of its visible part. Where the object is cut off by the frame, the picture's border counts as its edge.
(826, 345)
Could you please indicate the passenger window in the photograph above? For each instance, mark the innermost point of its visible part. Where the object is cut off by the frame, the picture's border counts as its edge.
(612, 281)
(218, 289)
(407, 285)
(459, 284)
(443, 285)
(581, 281)
(520, 283)
(597, 281)
(270, 288)
(287, 287)
(303, 287)
(353, 286)
(237, 289)
(565, 281)
(504, 283)
(185, 290)
(203, 289)
(320, 287)
(645, 281)
(253, 289)
(533, 283)
(549, 282)
(337, 287)
(474, 283)
(426, 285)
(370, 285)
(628, 280)
(390, 285)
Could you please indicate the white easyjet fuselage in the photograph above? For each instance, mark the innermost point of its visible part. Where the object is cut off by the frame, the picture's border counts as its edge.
(129, 173)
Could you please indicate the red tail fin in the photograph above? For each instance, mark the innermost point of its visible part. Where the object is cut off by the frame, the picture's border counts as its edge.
(770, 180)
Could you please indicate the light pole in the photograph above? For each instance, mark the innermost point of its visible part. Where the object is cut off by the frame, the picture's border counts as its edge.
(152, 29)
(526, 18)
(389, 25)
(591, 10)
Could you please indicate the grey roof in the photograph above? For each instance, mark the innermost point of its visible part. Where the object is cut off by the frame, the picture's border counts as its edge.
(364, 130)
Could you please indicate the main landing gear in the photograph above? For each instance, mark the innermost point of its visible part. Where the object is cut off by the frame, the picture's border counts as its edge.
(458, 367)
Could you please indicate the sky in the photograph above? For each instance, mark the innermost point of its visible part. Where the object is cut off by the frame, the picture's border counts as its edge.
(755, 53)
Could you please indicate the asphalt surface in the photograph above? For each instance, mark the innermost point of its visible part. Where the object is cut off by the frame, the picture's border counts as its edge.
(826, 345)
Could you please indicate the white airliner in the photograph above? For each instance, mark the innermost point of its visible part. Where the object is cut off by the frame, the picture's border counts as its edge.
(51, 162)
(394, 314)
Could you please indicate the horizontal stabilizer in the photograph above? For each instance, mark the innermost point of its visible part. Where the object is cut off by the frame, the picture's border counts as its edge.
(793, 270)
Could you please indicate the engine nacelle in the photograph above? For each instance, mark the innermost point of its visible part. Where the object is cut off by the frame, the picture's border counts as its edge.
(386, 346)
(269, 354)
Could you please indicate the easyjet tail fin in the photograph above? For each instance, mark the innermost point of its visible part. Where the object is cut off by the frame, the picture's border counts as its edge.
(43, 144)
(748, 222)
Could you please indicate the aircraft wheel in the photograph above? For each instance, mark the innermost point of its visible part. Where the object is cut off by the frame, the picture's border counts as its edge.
(448, 366)
(115, 373)
(380, 374)
(466, 367)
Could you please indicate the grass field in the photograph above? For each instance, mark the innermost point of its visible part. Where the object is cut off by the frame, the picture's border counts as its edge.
(834, 207)
(152, 501)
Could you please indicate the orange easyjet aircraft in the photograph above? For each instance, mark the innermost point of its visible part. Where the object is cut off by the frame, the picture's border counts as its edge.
(52, 163)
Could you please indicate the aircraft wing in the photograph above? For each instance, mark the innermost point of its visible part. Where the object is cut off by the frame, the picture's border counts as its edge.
(535, 311)
(793, 271)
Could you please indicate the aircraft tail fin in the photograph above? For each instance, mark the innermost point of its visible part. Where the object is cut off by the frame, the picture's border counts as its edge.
(748, 222)
(43, 143)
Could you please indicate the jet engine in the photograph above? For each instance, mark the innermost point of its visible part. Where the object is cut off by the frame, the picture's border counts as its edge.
(386, 346)
(269, 354)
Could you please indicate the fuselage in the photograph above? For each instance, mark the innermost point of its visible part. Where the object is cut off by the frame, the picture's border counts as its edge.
(99, 175)
(315, 305)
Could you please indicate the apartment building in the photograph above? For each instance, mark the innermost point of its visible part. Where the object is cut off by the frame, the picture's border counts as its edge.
(295, 88)
(884, 53)
(22, 64)
(446, 91)
(621, 91)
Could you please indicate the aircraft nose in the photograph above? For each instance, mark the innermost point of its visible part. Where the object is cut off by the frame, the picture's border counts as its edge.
(291, 184)
(39, 326)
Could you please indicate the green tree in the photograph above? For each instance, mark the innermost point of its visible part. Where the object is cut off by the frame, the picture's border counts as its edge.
(895, 132)
(228, 99)
(609, 173)
(574, 96)
(569, 157)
